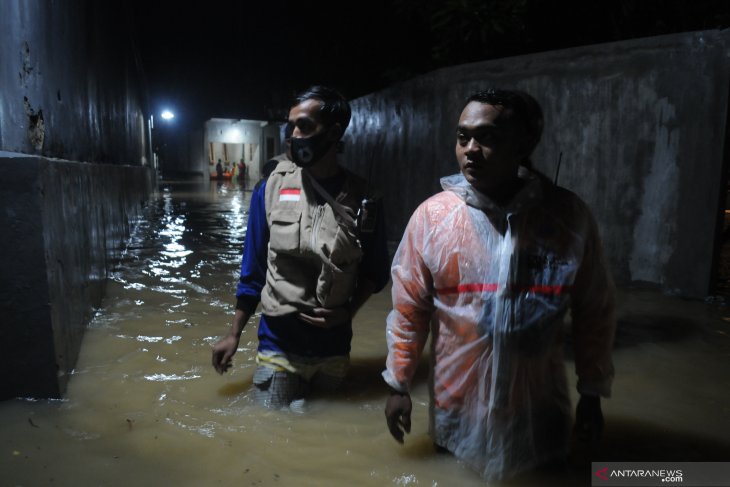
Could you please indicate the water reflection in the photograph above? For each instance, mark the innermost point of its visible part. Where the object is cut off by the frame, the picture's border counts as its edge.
(145, 407)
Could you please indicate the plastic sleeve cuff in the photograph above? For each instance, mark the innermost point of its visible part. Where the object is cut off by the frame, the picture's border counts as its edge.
(394, 384)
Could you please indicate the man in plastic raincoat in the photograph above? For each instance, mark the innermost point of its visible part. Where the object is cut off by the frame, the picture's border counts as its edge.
(489, 267)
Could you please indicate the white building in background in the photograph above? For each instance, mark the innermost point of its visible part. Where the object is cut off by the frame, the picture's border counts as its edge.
(231, 141)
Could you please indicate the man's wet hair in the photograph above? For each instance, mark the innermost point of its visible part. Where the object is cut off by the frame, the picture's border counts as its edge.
(335, 108)
(523, 106)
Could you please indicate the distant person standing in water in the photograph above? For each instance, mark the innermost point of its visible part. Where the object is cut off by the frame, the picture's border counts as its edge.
(241, 171)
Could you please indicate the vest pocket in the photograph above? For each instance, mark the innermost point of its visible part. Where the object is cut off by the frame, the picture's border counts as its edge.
(335, 285)
(341, 254)
(285, 227)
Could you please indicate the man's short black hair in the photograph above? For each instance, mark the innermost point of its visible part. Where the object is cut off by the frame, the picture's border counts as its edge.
(335, 108)
(525, 108)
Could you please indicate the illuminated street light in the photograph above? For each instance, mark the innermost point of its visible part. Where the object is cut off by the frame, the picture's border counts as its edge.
(167, 115)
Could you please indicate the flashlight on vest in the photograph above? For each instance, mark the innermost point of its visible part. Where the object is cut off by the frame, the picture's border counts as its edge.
(366, 216)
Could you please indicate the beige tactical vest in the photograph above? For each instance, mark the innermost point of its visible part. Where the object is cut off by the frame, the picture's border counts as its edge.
(313, 253)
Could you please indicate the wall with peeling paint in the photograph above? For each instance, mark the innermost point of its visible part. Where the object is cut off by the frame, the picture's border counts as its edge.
(71, 84)
(641, 125)
(73, 174)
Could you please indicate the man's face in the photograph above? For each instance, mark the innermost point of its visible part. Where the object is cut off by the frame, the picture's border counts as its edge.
(309, 139)
(304, 118)
(489, 145)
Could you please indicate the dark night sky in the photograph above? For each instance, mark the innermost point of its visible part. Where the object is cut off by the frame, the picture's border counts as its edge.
(236, 59)
(240, 58)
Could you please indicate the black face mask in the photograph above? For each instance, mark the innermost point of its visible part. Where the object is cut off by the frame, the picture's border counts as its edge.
(305, 152)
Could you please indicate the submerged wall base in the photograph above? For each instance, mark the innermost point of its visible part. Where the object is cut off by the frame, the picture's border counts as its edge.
(63, 224)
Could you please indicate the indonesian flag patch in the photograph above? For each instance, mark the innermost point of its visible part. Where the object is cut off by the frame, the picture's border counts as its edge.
(289, 194)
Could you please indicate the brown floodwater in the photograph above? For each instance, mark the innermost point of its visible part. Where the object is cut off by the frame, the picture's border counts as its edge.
(145, 407)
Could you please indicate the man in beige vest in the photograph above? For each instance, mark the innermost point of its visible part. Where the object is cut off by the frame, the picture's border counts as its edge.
(314, 252)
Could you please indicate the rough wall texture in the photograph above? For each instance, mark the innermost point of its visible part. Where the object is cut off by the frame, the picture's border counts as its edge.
(70, 90)
(71, 87)
(641, 126)
(64, 224)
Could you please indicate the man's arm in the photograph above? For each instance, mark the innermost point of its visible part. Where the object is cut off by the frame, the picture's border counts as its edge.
(251, 281)
(224, 350)
(593, 329)
(408, 323)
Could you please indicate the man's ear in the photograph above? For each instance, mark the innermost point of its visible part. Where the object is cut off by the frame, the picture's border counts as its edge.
(528, 143)
(335, 132)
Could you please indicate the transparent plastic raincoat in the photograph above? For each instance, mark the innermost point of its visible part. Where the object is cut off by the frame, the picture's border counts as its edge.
(492, 285)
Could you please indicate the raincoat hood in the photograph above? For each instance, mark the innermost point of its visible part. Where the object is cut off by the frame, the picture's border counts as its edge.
(527, 197)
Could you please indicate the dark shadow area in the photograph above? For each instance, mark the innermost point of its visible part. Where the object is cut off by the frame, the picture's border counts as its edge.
(635, 329)
(632, 330)
(626, 440)
(365, 382)
(722, 287)
(630, 440)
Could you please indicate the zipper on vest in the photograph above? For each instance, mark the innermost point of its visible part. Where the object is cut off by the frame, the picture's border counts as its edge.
(316, 223)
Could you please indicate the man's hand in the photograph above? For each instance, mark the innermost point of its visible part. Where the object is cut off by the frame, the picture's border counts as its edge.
(588, 419)
(327, 317)
(223, 353)
(398, 414)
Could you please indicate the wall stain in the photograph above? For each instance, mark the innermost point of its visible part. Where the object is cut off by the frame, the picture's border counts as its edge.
(36, 126)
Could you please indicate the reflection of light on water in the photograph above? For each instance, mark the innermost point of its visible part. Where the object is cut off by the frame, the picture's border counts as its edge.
(149, 339)
(159, 272)
(146, 339)
(207, 429)
(169, 377)
(405, 480)
(181, 321)
(177, 253)
(81, 435)
(161, 289)
(235, 217)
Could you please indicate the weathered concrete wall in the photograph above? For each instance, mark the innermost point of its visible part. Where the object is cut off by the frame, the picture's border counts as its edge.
(64, 223)
(71, 90)
(641, 125)
(71, 86)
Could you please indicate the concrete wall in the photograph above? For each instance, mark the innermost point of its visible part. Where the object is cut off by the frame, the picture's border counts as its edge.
(64, 223)
(73, 145)
(641, 125)
(71, 86)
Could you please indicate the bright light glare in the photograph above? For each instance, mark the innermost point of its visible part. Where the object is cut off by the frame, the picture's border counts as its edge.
(167, 115)
(233, 136)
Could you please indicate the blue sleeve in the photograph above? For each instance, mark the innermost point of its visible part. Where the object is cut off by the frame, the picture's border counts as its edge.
(375, 265)
(255, 249)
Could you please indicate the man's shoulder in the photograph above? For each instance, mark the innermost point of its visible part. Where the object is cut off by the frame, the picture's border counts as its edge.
(442, 199)
(284, 166)
(565, 205)
(283, 170)
(357, 184)
(562, 196)
(434, 207)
